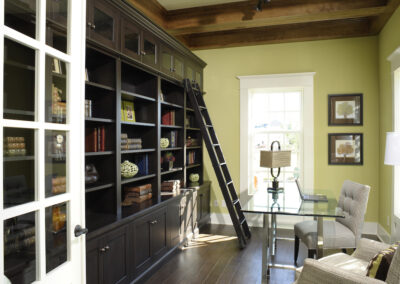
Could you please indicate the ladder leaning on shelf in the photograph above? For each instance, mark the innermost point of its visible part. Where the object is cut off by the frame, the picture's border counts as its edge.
(218, 161)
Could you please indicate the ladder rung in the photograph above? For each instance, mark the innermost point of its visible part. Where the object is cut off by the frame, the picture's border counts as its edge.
(229, 182)
(201, 107)
(242, 220)
(222, 164)
(209, 126)
(216, 145)
(235, 201)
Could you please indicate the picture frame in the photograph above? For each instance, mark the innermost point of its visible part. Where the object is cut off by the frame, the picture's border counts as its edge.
(129, 111)
(345, 110)
(345, 149)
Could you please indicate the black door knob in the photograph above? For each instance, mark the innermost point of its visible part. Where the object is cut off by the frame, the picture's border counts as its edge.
(80, 231)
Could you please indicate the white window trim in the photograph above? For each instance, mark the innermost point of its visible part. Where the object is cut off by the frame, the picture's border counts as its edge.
(394, 59)
(304, 81)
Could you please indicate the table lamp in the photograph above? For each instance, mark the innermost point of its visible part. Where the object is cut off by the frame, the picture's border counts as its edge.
(275, 159)
(392, 153)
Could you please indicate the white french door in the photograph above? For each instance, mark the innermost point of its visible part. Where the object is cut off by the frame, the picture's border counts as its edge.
(42, 45)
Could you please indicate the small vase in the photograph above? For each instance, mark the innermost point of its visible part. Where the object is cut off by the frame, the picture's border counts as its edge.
(170, 165)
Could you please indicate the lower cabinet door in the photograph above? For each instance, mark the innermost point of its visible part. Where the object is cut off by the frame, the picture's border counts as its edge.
(115, 257)
(141, 244)
(173, 222)
(158, 233)
(93, 269)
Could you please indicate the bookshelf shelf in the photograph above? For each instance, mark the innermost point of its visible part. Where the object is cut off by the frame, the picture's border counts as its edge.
(129, 180)
(98, 187)
(171, 149)
(19, 112)
(193, 166)
(19, 65)
(100, 120)
(58, 75)
(103, 153)
(18, 158)
(100, 86)
(193, 128)
(189, 109)
(138, 151)
(145, 124)
(129, 96)
(193, 147)
(168, 104)
(171, 126)
(172, 171)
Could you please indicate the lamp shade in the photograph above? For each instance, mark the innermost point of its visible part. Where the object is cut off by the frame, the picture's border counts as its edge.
(392, 152)
(274, 159)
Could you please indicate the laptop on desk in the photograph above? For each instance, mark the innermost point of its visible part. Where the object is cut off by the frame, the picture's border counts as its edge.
(310, 197)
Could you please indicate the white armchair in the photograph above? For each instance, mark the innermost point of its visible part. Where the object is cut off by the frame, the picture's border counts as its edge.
(345, 269)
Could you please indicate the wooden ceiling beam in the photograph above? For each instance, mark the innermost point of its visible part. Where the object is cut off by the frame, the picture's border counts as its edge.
(152, 9)
(244, 12)
(280, 34)
(379, 21)
(282, 20)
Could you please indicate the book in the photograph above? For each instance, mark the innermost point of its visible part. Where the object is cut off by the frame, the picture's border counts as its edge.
(142, 163)
(131, 146)
(129, 111)
(140, 193)
(138, 188)
(141, 198)
(124, 135)
(131, 140)
(102, 138)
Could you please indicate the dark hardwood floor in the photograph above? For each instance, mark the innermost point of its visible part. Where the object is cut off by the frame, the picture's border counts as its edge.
(214, 257)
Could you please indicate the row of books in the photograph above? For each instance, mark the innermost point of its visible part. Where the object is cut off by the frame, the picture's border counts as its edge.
(14, 146)
(130, 143)
(58, 106)
(191, 157)
(137, 194)
(18, 237)
(88, 108)
(168, 118)
(172, 137)
(95, 139)
(170, 187)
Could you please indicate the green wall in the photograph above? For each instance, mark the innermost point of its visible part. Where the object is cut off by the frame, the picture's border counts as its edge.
(389, 41)
(341, 66)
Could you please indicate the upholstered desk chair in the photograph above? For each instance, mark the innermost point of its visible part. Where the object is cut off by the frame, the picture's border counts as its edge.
(342, 233)
(348, 269)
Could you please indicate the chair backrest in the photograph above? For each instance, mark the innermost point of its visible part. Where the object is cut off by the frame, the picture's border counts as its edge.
(353, 204)
(393, 276)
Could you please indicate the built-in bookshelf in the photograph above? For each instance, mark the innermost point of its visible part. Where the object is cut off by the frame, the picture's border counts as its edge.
(133, 110)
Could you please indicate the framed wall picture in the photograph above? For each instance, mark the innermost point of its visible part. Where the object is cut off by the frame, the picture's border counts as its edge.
(345, 109)
(345, 148)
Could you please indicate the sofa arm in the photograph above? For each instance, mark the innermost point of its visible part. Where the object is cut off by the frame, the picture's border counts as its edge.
(367, 249)
(315, 272)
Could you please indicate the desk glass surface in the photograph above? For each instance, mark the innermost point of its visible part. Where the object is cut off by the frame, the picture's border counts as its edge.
(262, 203)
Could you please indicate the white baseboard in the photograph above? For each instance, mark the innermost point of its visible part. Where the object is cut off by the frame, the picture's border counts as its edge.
(383, 235)
(287, 222)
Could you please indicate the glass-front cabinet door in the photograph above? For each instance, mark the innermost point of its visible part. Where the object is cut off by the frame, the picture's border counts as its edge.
(149, 50)
(130, 38)
(103, 23)
(41, 193)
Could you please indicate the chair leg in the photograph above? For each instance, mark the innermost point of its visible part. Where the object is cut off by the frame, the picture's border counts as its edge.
(312, 253)
(296, 249)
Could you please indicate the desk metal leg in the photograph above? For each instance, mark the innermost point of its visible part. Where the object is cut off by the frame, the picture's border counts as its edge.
(265, 249)
(320, 237)
(273, 233)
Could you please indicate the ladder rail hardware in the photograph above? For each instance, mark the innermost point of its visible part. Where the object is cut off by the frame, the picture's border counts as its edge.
(202, 116)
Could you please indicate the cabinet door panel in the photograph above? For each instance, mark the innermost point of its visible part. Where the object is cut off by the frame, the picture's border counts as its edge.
(93, 262)
(158, 231)
(115, 260)
(141, 239)
(178, 68)
(166, 62)
(173, 223)
(105, 24)
(130, 39)
(149, 50)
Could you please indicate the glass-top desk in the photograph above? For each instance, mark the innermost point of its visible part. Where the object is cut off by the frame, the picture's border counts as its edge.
(272, 205)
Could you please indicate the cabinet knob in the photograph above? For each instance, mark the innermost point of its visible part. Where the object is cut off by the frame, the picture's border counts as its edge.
(103, 249)
(154, 222)
(143, 52)
(107, 248)
(80, 231)
(93, 26)
(173, 69)
(89, 24)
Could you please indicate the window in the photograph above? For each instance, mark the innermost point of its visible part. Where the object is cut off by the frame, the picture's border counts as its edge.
(396, 113)
(275, 115)
(276, 107)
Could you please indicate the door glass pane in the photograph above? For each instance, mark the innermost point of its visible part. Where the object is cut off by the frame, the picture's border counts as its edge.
(198, 77)
(166, 60)
(19, 166)
(189, 73)
(103, 24)
(178, 66)
(56, 24)
(56, 236)
(19, 81)
(56, 90)
(19, 249)
(21, 16)
(55, 167)
(150, 51)
(131, 39)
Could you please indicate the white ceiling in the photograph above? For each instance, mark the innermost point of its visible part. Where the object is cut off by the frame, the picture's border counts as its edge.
(182, 4)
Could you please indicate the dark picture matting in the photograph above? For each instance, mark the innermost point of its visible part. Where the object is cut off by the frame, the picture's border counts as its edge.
(345, 149)
(345, 109)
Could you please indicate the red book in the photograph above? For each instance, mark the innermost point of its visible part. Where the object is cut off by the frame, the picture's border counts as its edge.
(88, 140)
(95, 148)
(103, 139)
(164, 119)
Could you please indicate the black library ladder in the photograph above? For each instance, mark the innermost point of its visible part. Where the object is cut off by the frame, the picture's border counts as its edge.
(218, 161)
